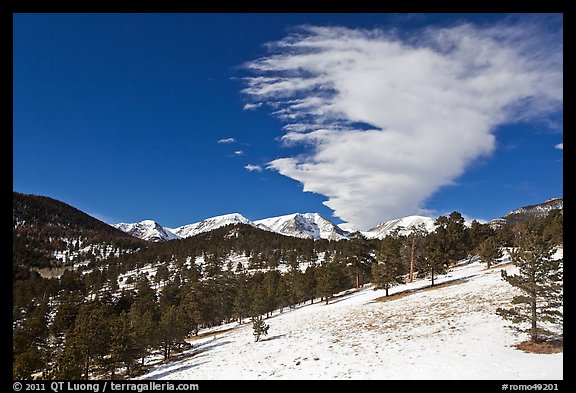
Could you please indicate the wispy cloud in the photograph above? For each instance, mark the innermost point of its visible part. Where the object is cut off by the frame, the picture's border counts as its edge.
(251, 106)
(387, 121)
(238, 153)
(253, 168)
(227, 140)
(559, 146)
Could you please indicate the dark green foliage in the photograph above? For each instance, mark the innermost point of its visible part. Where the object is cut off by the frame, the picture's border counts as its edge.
(331, 280)
(454, 236)
(358, 254)
(259, 327)
(435, 259)
(478, 233)
(30, 350)
(489, 251)
(172, 328)
(86, 343)
(390, 269)
(540, 280)
(124, 347)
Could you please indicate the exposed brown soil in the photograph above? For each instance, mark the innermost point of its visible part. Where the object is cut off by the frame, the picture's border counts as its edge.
(543, 347)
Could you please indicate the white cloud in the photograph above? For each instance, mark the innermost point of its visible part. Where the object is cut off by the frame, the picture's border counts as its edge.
(250, 106)
(387, 122)
(238, 153)
(227, 140)
(252, 168)
(559, 146)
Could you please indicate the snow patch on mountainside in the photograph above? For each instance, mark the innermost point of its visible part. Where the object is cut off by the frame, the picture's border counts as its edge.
(307, 226)
(210, 224)
(404, 225)
(148, 230)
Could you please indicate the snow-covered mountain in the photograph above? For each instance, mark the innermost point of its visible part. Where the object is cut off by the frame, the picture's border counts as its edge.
(147, 230)
(314, 226)
(307, 225)
(404, 225)
(210, 224)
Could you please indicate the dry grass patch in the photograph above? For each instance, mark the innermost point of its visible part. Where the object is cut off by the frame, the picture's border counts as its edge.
(445, 284)
(394, 296)
(407, 292)
(543, 347)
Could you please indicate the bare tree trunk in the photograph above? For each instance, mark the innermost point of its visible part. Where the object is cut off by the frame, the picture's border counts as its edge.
(533, 330)
(411, 276)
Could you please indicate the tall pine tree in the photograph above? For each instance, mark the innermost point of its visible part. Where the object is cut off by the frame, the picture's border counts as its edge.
(540, 280)
(389, 269)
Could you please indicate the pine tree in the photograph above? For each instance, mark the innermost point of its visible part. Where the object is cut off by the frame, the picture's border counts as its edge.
(89, 340)
(259, 327)
(435, 260)
(452, 232)
(124, 349)
(358, 254)
(489, 251)
(389, 269)
(172, 328)
(330, 280)
(259, 300)
(30, 342)
(144, 328)
(540, 280)
(242, 300)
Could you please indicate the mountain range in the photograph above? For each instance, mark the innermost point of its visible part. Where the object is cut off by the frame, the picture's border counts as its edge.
(314, 226)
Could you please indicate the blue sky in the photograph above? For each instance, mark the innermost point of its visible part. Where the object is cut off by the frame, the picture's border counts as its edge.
(179, 117)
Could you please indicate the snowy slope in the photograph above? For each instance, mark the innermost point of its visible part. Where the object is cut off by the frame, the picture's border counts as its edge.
(148, 230)
(307, 225)
(209, 224)
(528, 212)
(382, 230)
(448, 332)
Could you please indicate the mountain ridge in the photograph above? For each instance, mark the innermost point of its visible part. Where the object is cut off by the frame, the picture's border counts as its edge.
(314, 226)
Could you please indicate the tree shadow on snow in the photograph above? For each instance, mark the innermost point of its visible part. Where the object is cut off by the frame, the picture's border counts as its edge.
(272, 337)
(201, 348)
(175, 370)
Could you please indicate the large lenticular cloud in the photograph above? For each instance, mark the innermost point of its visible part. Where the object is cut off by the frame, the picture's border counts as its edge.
(388, 121)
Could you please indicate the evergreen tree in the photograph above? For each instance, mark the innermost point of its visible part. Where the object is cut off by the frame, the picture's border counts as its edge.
(540, 280)
(389, 269)
(415, 248)
(259, 300)
(28, 362)
(435, 261)
(357, 253)
(124, 350)
(479, 233)
(30, 346)
(89, 341)
(259, 327)
(309, 283)
(330, 280)
(242, 300)
(172, 328)
(489, 251)
(452, 232)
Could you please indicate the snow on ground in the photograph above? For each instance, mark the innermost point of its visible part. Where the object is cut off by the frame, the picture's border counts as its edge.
(449, 332)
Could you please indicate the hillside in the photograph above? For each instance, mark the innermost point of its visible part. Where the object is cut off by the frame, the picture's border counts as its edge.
(48, 233)
(448, 332)
(529, 212)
